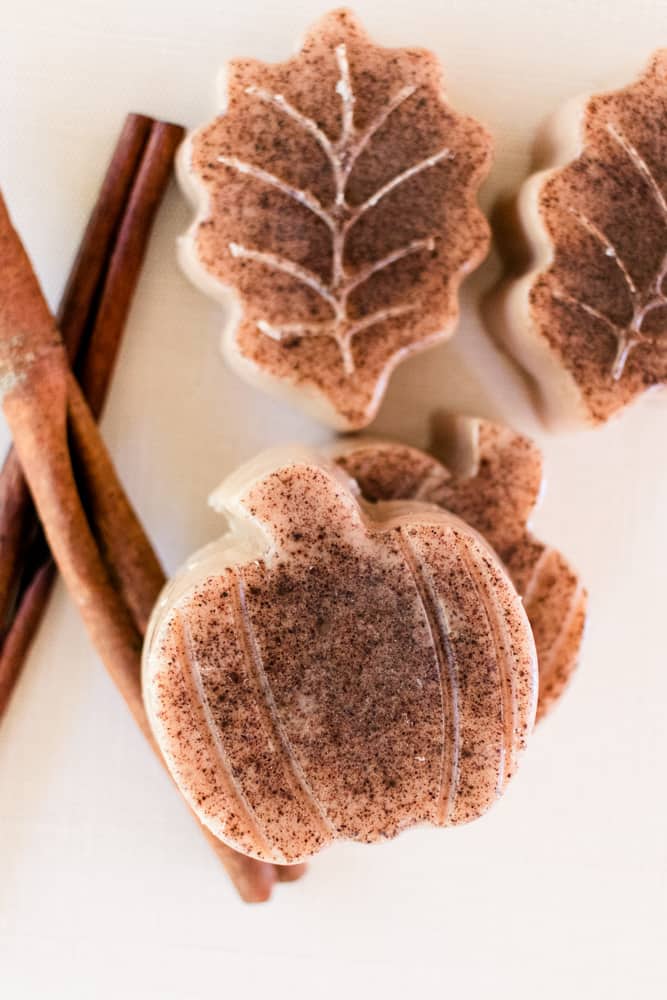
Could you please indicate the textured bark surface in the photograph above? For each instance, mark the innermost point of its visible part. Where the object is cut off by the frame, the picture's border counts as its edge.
(337, 198)
(361, 672)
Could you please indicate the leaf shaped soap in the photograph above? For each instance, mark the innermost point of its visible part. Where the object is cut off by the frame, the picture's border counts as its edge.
(336, 212)
(331, 669)
(491, 477)
(589, 319)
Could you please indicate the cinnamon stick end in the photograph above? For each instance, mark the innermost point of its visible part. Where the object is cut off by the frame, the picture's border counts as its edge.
(290, 873)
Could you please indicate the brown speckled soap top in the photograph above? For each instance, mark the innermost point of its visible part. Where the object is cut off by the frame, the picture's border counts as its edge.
(340, 191)
(368, 672)
(602, 304)
(495, 494)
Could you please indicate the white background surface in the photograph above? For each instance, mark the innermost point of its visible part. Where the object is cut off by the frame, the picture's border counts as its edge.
(106, 888)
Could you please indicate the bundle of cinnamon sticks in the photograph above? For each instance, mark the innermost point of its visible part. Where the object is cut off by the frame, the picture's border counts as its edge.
(61, 503)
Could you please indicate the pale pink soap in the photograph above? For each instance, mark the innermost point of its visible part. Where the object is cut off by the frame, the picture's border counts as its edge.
(333, 669)
(588, 319)
(336, 216)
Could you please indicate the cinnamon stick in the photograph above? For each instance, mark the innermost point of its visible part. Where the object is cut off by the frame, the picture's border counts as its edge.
(94, 309)
(19, 525)
(76, 314)
(41, 402)
(20, 635)
(126, 259)
(55, 434)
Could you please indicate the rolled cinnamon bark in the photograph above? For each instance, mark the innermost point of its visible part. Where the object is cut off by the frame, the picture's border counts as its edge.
(24, 554)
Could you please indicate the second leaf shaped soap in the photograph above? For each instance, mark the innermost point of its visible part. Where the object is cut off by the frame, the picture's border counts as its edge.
(589, 318)
(336, 202)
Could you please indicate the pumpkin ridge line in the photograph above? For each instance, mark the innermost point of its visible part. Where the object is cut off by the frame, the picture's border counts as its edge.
(507, 695)
(445, 659)
(269, 710)
(193, 678)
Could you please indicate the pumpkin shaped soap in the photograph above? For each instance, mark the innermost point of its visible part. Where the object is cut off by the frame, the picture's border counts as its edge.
(336, 216)
(332, 668)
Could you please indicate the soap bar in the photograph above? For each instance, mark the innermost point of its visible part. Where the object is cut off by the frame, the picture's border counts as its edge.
(334, 669)
(336, 216)
(588, 319)
(491, 477)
